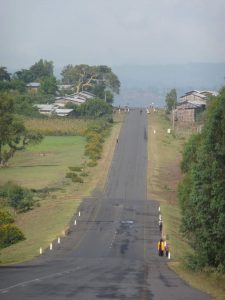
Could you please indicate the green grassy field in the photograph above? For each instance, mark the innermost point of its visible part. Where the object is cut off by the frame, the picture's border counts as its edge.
(44, 166)
(164, 157)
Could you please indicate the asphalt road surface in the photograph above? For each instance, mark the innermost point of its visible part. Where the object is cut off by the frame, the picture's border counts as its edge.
(111, 252)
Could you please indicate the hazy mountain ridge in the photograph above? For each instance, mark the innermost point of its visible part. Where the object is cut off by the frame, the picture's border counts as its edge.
(143, 85)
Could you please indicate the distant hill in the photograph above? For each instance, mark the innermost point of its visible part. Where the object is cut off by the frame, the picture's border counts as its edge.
(143, 85)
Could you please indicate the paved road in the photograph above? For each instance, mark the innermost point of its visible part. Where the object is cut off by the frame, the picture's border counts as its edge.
(111, 252)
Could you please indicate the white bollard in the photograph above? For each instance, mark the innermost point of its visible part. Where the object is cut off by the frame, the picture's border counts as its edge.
(75, 222)
(169, 255)
(79, 214)
(41, 251)
(59, 240)
(159, 208)
(160, 217)
(51, 246)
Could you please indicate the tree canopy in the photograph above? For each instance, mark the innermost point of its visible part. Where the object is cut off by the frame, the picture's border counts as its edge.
(98, 79)
(4, 74)
(13, 134)
(202, 192)
(36, 72)
(171, 100)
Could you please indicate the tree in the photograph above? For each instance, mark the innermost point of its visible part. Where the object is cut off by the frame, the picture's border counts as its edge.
(91, 78)
(171, 100)
(13, 134)
(24, 76)
(202, 191)
(95, 108)
(4, 74)
(41, 69)
(48, 85)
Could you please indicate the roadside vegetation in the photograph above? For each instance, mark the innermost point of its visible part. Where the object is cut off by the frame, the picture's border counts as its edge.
(167, 153)
(48, 164)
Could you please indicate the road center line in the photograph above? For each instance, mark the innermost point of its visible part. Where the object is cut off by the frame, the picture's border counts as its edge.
(25, 283)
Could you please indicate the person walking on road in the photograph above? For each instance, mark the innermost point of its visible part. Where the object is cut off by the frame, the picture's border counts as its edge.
(161, 247)
(160, 225)
(166, 247)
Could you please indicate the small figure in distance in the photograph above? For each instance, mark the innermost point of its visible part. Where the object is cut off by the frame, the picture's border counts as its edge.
(161, 247)
(166, 247)
(117, 141)
(160, 225)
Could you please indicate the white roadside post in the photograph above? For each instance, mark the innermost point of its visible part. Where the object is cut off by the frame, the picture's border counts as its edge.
(41, 251)
(79, 214)
(51, 246)
(59, 240)
(75, 222)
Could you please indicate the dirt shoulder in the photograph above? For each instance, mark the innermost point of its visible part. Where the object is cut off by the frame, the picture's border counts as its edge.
(164, 157)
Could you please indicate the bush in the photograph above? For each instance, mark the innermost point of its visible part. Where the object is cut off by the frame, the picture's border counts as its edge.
(77, 179)
(5, 217)
(19, 198)
(92, 163)
(10, 234)
(74, 177)
(84, 174)
(75, 169)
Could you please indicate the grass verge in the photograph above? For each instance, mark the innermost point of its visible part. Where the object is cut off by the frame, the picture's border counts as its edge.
(62, 198)
(164, 154)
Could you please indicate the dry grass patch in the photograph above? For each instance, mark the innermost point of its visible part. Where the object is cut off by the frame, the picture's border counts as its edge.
(164, 157)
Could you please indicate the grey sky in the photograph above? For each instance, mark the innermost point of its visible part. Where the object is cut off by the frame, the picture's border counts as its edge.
(111, 32)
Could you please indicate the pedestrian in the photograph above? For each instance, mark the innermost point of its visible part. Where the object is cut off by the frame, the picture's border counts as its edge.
(160, 225)
(117, 140)
(166, 247)
(161, 247)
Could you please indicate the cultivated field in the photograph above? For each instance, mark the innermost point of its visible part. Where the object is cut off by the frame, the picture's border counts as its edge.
(56, 126)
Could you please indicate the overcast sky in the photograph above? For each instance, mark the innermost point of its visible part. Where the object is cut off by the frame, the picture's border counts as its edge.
(111, 32)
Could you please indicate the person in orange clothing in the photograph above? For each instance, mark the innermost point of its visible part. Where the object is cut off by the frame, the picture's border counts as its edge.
(161, 247)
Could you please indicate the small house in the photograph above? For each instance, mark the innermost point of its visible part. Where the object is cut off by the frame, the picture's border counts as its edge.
(33, 87)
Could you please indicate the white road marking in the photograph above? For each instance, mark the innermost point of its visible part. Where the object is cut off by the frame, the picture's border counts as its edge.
(25, 283)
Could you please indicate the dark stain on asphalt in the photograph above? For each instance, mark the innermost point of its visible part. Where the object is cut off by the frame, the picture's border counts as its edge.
(124, 246)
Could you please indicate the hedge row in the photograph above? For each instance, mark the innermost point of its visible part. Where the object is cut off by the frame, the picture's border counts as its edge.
(96, 134)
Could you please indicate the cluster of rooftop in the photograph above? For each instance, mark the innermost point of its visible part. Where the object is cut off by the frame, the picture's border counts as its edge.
(191, 104)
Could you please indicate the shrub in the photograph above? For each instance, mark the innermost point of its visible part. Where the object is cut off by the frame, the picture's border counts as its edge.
(74, 177)
(10, 234)
(75, 169)
(77, 179)
(19, 198)
(92, 163)
(5, 217)
(84, 174)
